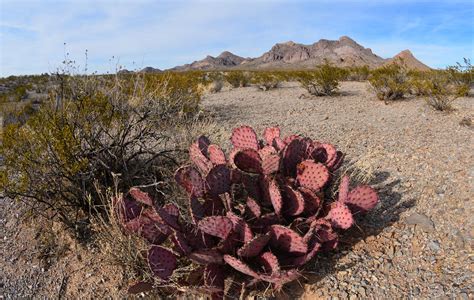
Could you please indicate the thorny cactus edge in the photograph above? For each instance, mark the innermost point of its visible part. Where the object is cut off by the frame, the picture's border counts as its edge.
(261, 211)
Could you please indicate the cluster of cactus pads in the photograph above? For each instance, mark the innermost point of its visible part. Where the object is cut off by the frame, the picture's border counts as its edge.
(263, 210)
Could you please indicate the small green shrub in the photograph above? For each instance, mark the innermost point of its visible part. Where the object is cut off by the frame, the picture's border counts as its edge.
(389, 82)
(238, 78)
(439, 93)
(324, 81)
(266, 80)
(358, 73)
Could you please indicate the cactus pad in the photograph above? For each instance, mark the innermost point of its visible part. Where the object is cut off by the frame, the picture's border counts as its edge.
(362, 199)
(206, 256)
(270, 164)
(240, 266)
(312, 175)
(269, 263)
(294, 203)
(275, 196)
(216, 155)
(287, 240)
(140, 196)
(270, 133)
(255, 246)
(218, 180)
(162, 262)
(190, 179)
(248, 160)
(340, 215)
(253, 209)
(199, 159)
(343, 189)
(244, 137)
(218, 226)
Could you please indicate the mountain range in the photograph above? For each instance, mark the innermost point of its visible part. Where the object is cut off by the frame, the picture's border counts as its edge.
(344, 52)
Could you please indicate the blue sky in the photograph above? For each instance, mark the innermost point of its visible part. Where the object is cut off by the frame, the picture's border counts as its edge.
(162, 34)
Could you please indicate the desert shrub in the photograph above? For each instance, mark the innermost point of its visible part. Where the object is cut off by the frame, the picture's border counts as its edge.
(324, 81)
(439, 93)
(266, 80)
(461, 76)
(257, 215)
(216, 81)
(238, 78)
(91, 128)
(358, 73)
(389, 82)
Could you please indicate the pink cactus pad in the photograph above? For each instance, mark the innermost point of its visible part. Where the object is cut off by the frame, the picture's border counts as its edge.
(270, 133)
(218, 226)
(293, 154)
(216, 155)
(266, 150)
(270, 164)
(248, 160)
(312, 203)
(343, 189)
(269, 262)
(287, 240)
(275, 196)
(340, 215)
(244, 137)
(252, 208)
(141, 196)
(240, 266)
(218, 180)
(199, 159)
(294, 203)
(362, 199)
(168, 216)
(312, 175)
(262, 224)
(255, 246)
(162, 262)
(190, 179)
(196, 209)
(203, 143)
(241, 227)
(206, 256)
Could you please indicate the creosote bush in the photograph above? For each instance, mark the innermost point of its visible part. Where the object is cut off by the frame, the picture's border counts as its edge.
(91, 128)
(256, 215)
(266, 80)
(389, 82)
(324, 81)
(439, 94)
(238, 78)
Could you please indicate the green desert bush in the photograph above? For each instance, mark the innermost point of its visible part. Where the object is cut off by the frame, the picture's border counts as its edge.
(238, 78)
(266, 80)
(358, 73)
(324, 81)
(91, 128)
(461, 77)
(389, 82)
(439, 93)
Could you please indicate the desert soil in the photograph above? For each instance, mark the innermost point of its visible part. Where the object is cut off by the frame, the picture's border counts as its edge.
(416, 244)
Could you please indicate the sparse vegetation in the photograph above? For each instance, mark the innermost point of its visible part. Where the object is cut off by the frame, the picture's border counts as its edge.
(91, 128)
(238, 78)
(389, 82)
(324, 81)
(266, 80)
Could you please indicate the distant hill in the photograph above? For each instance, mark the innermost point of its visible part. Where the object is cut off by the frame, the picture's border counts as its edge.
(344, 52)
(407, 59)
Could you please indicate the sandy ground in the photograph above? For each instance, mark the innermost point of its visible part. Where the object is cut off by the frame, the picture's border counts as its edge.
(417, 244)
